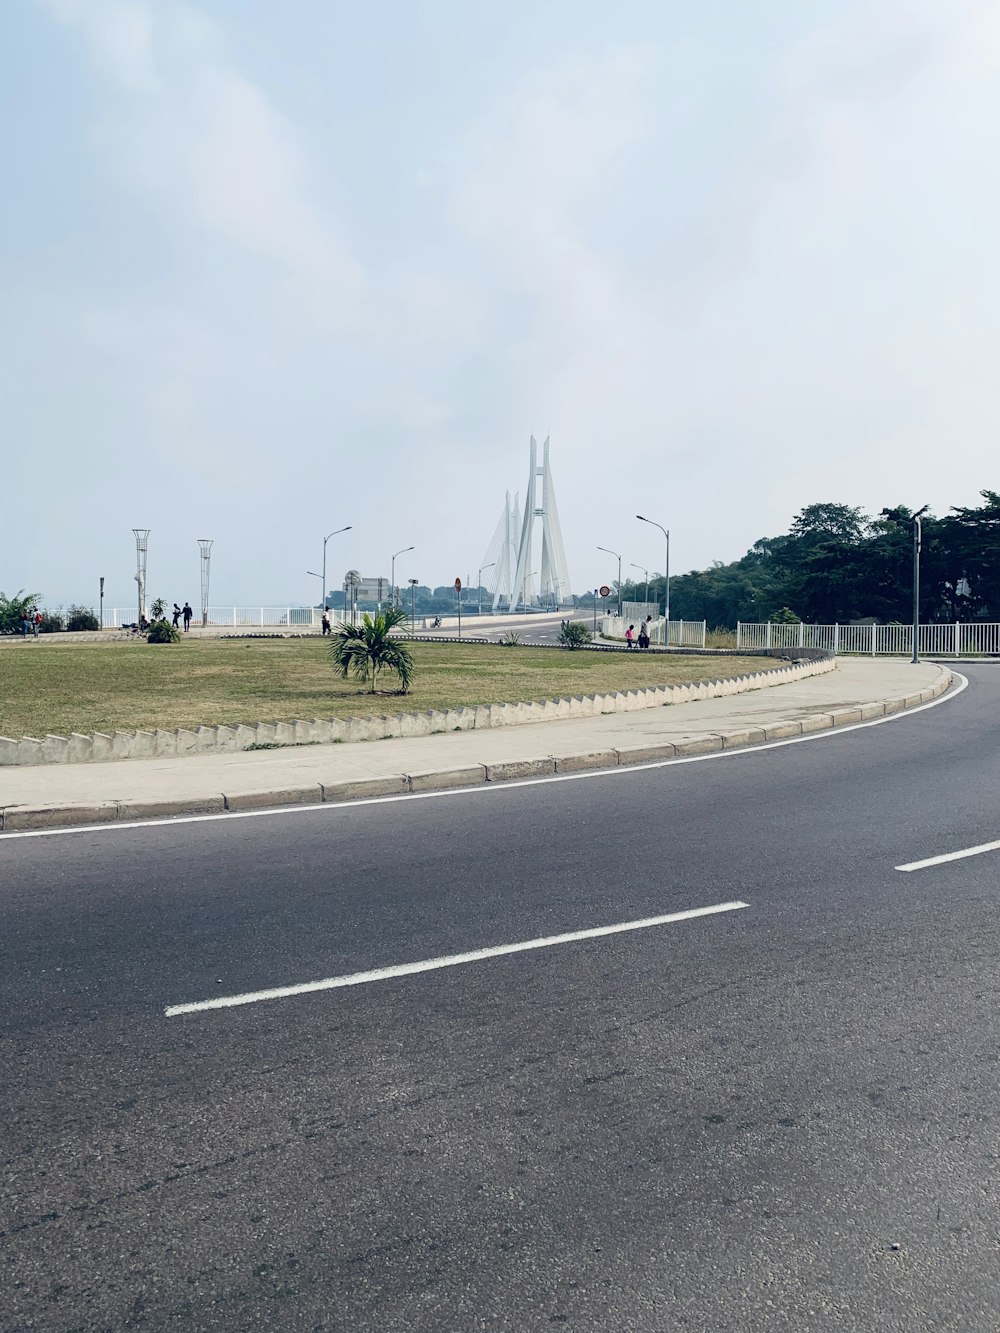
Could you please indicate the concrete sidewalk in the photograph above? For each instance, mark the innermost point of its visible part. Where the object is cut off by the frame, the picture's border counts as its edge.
(58, 795)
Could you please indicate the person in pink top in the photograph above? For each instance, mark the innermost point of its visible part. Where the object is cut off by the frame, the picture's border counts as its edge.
(630, 637)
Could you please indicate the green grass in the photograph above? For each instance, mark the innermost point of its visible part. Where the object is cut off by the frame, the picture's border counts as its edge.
(52, 687)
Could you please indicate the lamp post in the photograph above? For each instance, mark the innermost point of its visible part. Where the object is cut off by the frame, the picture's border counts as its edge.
(917, 541)
(392, 576)
(323, 575)
(666, 577)
(323, 593)
(645, 580)
(609, 551)
(413, 615)
(479, 581)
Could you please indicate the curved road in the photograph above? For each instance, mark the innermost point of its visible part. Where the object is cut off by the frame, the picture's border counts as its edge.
(780, 1116)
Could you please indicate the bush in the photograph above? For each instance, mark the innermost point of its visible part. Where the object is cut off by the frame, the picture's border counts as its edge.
(510, 640)
(52, 622)
(785, 616)
(161, 631)
(158, 611)
(573, 634)
(81, 617)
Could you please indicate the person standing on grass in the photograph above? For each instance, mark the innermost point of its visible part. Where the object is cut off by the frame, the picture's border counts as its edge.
(630, 637)
(187, 613)
(25, 622)
(177, 615)
(326, 622)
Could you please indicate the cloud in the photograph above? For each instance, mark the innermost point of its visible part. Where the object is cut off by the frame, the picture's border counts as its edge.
(208, 142)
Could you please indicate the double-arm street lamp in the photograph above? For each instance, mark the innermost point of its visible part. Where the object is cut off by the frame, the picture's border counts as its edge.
(608, 551)
(917, 542)
(325, 540)
(645, 580)
(392, 577)
(666, 575)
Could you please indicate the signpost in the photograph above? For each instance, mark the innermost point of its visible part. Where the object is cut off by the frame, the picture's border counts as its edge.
(458, 599)
(605, 592)
(102, 601)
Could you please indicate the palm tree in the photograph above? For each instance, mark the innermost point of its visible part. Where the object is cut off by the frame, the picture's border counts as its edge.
(369, 648)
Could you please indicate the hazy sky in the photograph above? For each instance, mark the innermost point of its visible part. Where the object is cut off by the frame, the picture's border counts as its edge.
(269, 269)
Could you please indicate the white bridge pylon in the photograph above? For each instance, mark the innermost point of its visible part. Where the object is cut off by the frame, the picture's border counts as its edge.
(511, 550)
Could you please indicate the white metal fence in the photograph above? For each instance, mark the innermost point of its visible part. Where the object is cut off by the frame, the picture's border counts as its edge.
(681, 634)
(235, 617)
(954, 640)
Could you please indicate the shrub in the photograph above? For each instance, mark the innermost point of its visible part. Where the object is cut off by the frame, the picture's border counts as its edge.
(158, 611)
(81, 617)
(52, 622)
(573, 633)
(161, 631)
(785, 616)
(510, 640)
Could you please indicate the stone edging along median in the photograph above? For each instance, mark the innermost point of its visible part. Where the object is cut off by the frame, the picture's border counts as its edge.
(23, 817)
(83, 749)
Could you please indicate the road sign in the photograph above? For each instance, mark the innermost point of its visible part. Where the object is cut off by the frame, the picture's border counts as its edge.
(458, 585)
(604, 590)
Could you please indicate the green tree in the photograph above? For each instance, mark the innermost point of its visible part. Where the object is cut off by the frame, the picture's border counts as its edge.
(12, 609)
(368, 649)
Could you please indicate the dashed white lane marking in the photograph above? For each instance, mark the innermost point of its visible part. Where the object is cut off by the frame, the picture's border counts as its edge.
(465, 792)
(951, 856)
(449, 960)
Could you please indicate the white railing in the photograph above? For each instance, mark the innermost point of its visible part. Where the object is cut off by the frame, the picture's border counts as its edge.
(950, 640)
(682, 633)
(236, 617)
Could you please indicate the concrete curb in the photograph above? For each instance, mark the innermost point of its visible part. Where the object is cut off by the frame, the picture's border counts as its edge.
(96, 747)
(16, 818)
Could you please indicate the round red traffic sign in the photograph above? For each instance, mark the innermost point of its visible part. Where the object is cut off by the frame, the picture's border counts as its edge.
(458, 585)
(604, 590)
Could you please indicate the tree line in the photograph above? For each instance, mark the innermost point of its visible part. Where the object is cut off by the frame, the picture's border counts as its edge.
(837, 564)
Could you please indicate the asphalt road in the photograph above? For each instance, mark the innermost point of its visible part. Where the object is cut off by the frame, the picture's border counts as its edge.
(779, 1117)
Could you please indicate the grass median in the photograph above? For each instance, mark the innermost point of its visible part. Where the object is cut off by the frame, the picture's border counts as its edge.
(48, 686)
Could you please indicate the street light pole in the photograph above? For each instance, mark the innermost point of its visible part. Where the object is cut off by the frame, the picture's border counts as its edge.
(645, 577)
(666, 578)
(413, 614)
(917, 541)
(479, 581)
(323, 575)
(392, 576)
(608, 551)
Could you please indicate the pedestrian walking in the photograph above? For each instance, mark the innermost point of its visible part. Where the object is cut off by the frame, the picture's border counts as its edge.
(630, 637)
(25, 624)
(187, 613)
(326, 622)
(36, 623)
(644, 633)
(177, 615)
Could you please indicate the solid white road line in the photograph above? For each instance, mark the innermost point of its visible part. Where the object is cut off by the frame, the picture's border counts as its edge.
(462, 793)
(449, 960)
(952, 856)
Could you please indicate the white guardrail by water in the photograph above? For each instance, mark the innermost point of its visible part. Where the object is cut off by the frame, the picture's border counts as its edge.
(952, 640)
